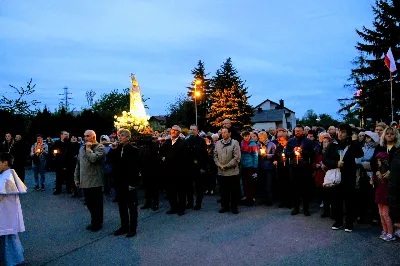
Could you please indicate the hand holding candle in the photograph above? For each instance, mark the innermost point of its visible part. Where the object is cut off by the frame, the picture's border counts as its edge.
(55, 151)
(284, 159)
(297, 152)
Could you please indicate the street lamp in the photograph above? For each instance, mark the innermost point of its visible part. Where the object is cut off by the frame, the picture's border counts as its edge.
(196, 94)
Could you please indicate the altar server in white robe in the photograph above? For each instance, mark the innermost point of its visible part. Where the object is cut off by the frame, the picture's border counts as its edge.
(11, 219)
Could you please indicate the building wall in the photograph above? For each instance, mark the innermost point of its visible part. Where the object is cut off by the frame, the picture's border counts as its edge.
(266, 126)
(266, 106)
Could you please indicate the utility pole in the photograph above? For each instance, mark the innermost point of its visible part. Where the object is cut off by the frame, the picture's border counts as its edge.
(64, 101)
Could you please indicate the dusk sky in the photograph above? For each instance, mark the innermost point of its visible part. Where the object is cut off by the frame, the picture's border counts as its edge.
(300, 52)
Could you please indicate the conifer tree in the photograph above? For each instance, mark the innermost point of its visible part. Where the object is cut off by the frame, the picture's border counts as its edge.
(229, 98)
(370, 73)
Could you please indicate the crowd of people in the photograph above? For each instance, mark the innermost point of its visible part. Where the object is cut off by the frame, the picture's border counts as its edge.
(277, 166)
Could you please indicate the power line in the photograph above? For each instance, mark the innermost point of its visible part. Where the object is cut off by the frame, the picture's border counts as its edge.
(64, 101)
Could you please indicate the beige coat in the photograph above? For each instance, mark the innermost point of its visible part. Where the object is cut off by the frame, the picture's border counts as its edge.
(227, 155)
(89, 169)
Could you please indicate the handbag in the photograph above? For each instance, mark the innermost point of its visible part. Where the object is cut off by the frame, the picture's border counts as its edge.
(332, 178)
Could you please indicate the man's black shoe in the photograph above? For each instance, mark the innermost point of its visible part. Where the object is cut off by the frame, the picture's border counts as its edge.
(69, 192)
(222, 210)
(74, 195)
(131, 234)
(155, 208)
(96, 228)
(235, 211)
(89, 227)
(56, 192)
(306, 213)
(337, 225)
(189, 206)
(295, 211)
(197, 207)
(144, 207)
(181, 213)
(171, 211)
(120, 231)
(269, 203)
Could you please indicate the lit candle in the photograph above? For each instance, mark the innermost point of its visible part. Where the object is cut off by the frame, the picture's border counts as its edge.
(55, 151)
(38, 150)
(262, 151)
(284, 159)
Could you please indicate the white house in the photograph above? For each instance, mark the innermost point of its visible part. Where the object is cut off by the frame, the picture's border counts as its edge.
(271, 114)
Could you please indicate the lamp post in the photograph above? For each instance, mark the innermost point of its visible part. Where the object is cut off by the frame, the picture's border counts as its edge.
(196, 94)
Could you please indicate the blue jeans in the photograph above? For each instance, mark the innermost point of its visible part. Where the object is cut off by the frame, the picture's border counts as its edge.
(39, 169)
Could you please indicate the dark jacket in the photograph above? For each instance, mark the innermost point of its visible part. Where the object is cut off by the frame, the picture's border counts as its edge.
(125, 166)
(66, 154)
(378, 149)
(175, 158)
(348, 171)
(307, 154)
(19, 150)
(151, 159)
(197, 153)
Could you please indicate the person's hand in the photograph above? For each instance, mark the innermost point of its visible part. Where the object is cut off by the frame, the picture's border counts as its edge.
(340, 164)
(222, 167)
(77, 183)
(114, 145)
(163, 159)
(131, 188)
(318, 165)
(371, 181)
(354, 137)
(275, 163)
(202, 171)
(88, 145)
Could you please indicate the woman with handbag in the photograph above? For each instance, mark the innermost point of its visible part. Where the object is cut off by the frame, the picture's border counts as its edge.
(342, 155)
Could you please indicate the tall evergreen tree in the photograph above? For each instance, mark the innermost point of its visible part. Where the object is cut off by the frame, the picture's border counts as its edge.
(227, 83)
(226, 104)
(203, 99)
(370, 73)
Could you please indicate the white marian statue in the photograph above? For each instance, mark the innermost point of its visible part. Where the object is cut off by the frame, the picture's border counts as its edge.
(136, 104)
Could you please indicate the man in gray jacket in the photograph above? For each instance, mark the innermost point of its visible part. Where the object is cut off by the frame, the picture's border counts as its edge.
(227, 157)
(89, 173)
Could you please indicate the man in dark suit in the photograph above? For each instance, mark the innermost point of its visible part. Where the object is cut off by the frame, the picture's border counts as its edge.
(125, 166)
(174, 156)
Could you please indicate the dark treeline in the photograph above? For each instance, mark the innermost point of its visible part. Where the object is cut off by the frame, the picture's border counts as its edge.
(51, 124)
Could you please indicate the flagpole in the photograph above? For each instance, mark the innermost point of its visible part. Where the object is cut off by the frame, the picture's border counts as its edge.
(391, 93)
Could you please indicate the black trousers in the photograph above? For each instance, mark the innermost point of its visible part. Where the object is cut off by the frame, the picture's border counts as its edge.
(196, 183)
(127, 206)
(64, 174)
(284, 186)
(265, 182)
(176, 193)
(347, 195)
(152, 184)
(302, 182)
(94, 202)
(230, 191)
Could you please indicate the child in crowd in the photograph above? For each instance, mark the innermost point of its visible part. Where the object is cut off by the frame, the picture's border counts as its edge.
(382, 195)
(11, 219)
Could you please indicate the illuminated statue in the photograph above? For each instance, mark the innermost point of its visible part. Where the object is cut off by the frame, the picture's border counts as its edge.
(136, 118)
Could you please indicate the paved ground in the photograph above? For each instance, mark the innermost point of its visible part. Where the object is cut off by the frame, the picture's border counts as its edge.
(56, 235)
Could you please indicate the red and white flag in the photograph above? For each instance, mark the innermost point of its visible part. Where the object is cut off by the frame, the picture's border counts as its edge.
(389, 61)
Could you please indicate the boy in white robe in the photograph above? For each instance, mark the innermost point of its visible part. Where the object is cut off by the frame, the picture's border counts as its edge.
(11, 219)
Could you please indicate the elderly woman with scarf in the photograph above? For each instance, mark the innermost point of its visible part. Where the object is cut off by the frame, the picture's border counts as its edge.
(249, 166)
(364, 191)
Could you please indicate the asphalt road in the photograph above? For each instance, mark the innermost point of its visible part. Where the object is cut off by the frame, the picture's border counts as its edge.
(259, 235)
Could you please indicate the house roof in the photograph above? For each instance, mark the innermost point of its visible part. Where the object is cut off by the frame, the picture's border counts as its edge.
(273, 115)
(273, 103)
(159, 118)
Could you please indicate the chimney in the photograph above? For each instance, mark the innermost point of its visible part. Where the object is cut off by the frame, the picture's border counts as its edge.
(259, 109)
(281, 103)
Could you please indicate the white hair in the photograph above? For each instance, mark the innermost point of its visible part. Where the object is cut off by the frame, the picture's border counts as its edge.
(213, 136)
(177, 127)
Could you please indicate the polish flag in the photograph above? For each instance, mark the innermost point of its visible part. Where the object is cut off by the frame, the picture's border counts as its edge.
(389, 61)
